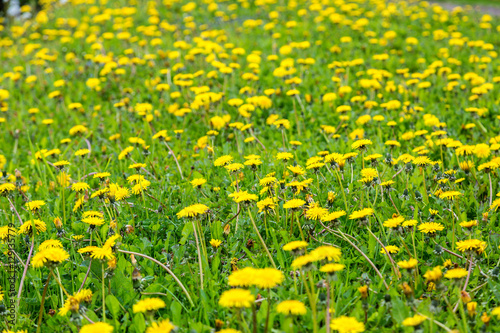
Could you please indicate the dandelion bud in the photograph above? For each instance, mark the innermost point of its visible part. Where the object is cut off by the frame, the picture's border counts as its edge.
(218, 324)
(227, 229)
(408, 167)
(471, 308)
(388, 159)
(129, 229)
(485, 217)
(112, 264)
(58, 223)
(438, 250)
(485, 318)
(331, 197)
(465, 296)
(363, 290)
(434, 306)
(406, 289)
(136, 279)
(133, 260)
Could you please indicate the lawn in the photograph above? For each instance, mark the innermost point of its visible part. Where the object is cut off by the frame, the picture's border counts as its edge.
(249, 166)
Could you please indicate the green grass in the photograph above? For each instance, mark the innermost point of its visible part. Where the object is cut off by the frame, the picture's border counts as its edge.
(160, 93)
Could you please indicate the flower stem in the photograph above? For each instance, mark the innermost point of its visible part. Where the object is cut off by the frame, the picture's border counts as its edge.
(342, 188)
(327, 315)
(393, 264)
(199, 255)
(425, 186)
(343, 236)
(175, 159)
(311, 300)
(266, 326)
(491, 189)
(260, 237)
(300, 228)
(103, 295)
(25, 271)
(165, 268)
(40, 314)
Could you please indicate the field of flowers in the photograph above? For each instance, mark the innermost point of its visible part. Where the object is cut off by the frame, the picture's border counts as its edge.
(249, 166)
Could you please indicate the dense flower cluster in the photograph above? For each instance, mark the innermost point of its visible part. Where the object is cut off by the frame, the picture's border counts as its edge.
(250, 166)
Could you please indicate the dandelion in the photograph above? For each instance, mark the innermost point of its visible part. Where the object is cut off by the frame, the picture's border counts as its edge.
(295, 246)
(394, 222)
(468, 224)
(291, 307)
(390, 248)
(304, 262)
(345, 324)
(333, 216)
(49, 257)
(408, 264)
(294, 204)
(148, 305)
(26, 227)
(266, 205)
(93, 221)
(6, 188)
(472, 245)
(284, 156)
(433, 275)
(361, 214)
(97, 328)
(327, 253)
(104, 253)
(414, 321)
(430, 227)
(449, 195)
(193, 211)
(316, 212)
(233, 167)
(215, 243)
(164, 326)
(455, 273)
(35, 205)
(236, 298)
(223, 160)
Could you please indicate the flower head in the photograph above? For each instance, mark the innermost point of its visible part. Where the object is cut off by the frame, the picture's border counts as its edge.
(193, 211)
(97, 328)
(345, 324)
(49, 257)
(430, 227)
(472, 245)
(236, 298)
(359, 214)
(26, 227)
(35, 205)
(456, 273)
(291, 307)
(408, 264)
(148, 304)
(361, 144)
(164, 326)
(416, 320)
(294, 204)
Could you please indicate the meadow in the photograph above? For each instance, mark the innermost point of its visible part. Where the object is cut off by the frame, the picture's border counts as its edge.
(249, 166)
